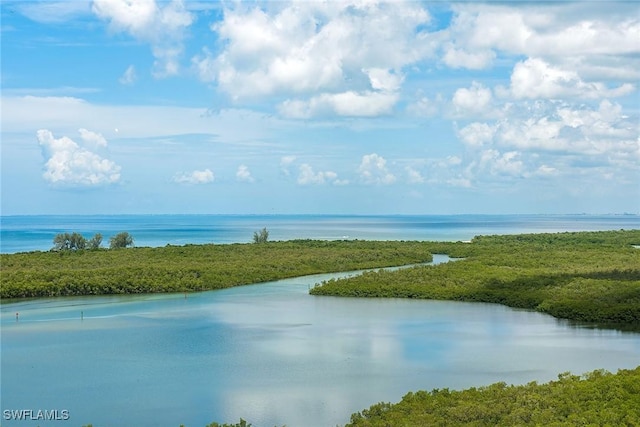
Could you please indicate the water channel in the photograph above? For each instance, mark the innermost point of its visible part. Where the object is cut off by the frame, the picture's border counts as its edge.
(273, 354)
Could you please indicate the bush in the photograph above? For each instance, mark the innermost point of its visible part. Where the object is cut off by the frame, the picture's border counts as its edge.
(261, 236)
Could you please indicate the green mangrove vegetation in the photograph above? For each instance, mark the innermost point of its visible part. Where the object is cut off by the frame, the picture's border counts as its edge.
(192, 267)
(582, 276)
(598, 398)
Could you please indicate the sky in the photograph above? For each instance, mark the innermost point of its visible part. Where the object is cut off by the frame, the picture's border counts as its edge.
(319, 107)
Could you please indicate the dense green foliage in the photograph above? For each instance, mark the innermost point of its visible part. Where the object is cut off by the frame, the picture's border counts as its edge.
(76, 242)
(121, 240)
(595, 399)
(95, 241)
(191, 267)
(69, 242)
(589, 276)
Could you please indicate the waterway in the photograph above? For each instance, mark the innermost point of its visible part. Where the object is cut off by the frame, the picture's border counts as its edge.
(273, 354)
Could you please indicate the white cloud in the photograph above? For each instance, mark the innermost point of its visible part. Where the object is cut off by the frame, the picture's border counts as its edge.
(453, 160)
(373, 170)
(475, 100)
(317, 55)
(581, 130)
(69, 164)
(414, 176)
(535, 78)
(570, 29)
(53, 11)
(129, 77)
(93, 138)
(285, 163)
(196, 177)
(508, 163)
(550, 139)
(349, 104)
(425, 107)
(307, 176)
(598, 40)
(493, 164)
(383, 79)
(476, 134)
(243, 174)
(162, 26)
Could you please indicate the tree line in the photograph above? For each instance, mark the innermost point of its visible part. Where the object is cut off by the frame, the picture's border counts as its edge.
(191, 268)
(77, 242)
(585, 277)
(598, 398)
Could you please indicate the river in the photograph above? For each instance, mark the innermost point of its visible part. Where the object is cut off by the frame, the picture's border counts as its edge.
(273, 354)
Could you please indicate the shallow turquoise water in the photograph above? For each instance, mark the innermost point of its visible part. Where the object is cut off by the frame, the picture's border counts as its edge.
(28, 233)
(273, 354)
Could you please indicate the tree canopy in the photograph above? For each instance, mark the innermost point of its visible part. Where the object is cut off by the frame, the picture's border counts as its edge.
(121, 240)
(261, 236)
(69, 242)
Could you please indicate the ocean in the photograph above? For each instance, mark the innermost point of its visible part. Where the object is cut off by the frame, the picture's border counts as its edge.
(36, 232)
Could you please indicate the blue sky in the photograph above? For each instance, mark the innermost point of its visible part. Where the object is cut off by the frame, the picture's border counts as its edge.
(354, 107)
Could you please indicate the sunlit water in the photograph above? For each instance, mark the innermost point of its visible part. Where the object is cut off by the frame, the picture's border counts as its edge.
(273, 354)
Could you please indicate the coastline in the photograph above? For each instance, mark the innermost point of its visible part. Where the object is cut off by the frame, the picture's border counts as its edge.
(25, 233)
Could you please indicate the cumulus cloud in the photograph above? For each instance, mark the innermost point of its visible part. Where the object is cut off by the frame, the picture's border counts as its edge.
(493, 165)
(307, 176)
(476, 134)
(508, 163)
(558, 127)
(196, 177)
(603, 130)
(384, 79)
(547, 139)
(317, 56)
(243, 174)
(535, 78)
(367, 104)
(70, 164)
(373, 170)
(92, 138)
(598, 40)
(531, 29)
(161, 25)
(475, 101)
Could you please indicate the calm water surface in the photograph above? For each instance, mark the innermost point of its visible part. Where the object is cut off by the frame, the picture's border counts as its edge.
(273, 354)
(29, 233)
